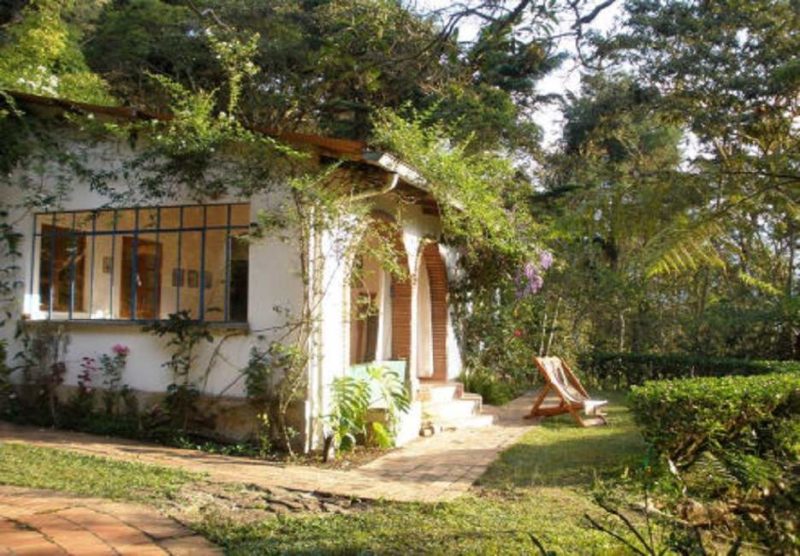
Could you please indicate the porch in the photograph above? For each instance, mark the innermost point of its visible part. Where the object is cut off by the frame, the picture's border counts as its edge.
(399, 319)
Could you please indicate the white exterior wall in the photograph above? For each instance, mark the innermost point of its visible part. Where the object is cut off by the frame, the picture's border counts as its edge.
(274, 281)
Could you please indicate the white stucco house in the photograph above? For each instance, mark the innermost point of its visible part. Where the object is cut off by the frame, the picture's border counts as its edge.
(104, 270)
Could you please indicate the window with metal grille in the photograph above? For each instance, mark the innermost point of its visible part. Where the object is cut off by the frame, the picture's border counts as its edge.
(141, 263)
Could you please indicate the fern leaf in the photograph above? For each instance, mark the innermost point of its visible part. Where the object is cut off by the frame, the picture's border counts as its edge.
(681, 249)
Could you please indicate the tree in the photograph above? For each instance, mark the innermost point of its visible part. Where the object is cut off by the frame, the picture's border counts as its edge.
(40, 53)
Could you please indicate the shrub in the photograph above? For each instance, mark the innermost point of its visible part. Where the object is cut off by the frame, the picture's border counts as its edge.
(492, 389)
(682, 418)
(622, 370)
(733, 441)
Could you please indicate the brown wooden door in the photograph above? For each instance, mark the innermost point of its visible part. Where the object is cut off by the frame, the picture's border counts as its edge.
(62, 253)
(147, 279)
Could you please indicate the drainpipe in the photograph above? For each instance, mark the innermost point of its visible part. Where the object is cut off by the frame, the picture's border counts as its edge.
(392, 179)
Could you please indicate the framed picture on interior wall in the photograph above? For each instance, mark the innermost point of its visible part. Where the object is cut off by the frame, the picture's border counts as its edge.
(192, 278)
(207, 280)
(177, 277)
(107, 262)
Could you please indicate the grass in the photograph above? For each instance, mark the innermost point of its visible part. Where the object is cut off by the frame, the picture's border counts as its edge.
(35, 467)
(560, 454)
(539, 487)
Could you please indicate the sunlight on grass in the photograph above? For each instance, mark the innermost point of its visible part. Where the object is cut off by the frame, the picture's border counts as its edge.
(540, 487)
(30, 466)
(470, 525)
(559, 453)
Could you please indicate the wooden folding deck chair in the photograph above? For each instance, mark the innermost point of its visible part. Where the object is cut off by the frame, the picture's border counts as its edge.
(570, 395)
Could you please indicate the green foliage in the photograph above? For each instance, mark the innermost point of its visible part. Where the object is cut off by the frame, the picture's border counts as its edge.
(623, 370)
(493, 389)
(349, 405)
(735, 440)
(42, 54)
(204, 149)
(148, 36)
(41, 359)
(390, 394)
(475, 190)
(682, 418)
(330, 66)
(274, 380)
(185, 335)
(352, 397)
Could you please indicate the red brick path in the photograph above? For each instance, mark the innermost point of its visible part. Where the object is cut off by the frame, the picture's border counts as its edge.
(44, 522)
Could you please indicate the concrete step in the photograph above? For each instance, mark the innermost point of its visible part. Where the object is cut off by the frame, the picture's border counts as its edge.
(473, 422)
(475, 397)
(451, 410)
(438, 392)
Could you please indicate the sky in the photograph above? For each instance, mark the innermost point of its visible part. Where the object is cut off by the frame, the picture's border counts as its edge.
(566, 78)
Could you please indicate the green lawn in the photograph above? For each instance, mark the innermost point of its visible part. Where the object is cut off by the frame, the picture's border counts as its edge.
(35, 467)
(541, 486)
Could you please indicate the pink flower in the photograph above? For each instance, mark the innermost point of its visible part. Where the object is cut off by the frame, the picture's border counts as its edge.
(121, 350)
(518, 333)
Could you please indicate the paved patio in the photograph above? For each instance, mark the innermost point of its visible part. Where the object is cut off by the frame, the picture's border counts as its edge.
(43, 522)
(432, 469)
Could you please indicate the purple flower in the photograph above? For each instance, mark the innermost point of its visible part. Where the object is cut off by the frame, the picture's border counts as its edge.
(529, 279)
(120, 350)
(545, 260)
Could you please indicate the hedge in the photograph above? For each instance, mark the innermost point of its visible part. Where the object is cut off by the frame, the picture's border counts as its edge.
(627, 369)
(754, 415)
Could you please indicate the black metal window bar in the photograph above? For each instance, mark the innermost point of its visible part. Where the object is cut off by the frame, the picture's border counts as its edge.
(142, 263)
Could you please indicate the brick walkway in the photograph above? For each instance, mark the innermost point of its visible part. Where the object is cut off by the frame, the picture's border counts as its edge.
(43, 522)
(433, 469)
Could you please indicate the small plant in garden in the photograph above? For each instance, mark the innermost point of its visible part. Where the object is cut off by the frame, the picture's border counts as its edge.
(348, 417)
(112, 367)
(392, 396)
(348, 421)
(263, 435)
(185, 336)
(82, 403)
(43, 367)
(274, 379)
